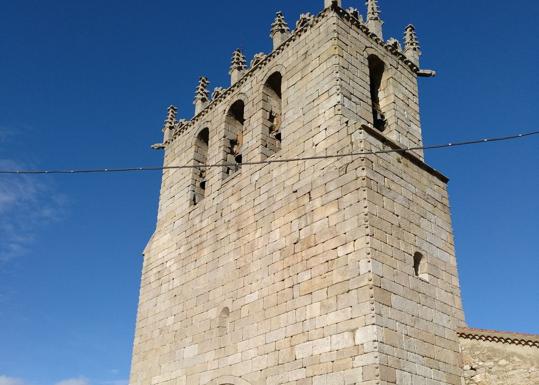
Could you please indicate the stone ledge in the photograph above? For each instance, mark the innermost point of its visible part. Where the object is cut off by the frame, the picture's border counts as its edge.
(404, 153)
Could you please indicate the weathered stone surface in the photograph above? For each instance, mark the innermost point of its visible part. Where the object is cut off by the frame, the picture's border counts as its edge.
(507, 361)
(329, 271)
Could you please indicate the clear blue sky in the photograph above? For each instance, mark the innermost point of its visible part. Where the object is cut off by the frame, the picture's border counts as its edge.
(87, 83)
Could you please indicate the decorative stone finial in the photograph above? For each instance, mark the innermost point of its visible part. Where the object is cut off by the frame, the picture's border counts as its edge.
(217, 92)
(412, 50)
(304, 20)
(329, 3)
(354, 12)
(170, 121)
(394, 45)
(237, 67)
(279, 30)
(374, 21)
(201, 95)
(259, 57)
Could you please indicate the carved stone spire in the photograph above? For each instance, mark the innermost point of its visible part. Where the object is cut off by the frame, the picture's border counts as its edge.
(412, 50)
(329, 3)
(170, 121)
(237, 67)
(202, 96)
(374, 21)
(279, 30)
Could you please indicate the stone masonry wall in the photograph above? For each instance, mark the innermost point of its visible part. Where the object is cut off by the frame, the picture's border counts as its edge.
(246, 246)
(416, 317)
(407, 211)
(301, 273)
(400, 86)
(495, 363)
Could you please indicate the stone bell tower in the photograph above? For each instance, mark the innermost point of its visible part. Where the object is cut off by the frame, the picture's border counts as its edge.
(336, 270)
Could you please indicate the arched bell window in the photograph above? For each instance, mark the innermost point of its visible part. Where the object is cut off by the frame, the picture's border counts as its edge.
(234, 124)
(200, 181)
(377, 87)
(272, 104)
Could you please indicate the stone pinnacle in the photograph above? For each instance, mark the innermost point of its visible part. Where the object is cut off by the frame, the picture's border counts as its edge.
(412, 50)
(202, 92)
(238, 62)
(374, 21)
(279, 25)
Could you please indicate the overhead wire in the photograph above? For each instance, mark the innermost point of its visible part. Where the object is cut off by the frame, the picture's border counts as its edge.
(267, 161)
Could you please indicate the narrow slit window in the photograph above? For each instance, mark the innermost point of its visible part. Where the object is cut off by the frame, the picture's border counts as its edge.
(223, 327)
(420, 267)
(222, 324)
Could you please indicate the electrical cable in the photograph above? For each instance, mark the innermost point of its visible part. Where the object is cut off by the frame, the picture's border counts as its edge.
(267, 161)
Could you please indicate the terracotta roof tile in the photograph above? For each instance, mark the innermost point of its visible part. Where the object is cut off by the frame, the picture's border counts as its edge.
(531, 340)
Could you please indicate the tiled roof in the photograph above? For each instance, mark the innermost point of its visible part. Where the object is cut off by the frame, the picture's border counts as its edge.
(531, 340)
